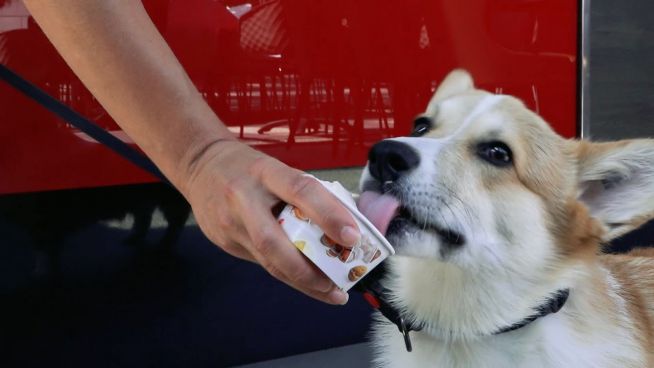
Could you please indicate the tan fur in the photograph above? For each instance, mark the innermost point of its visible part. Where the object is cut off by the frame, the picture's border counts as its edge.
(579, 234)
(567, 180)
(635, 272)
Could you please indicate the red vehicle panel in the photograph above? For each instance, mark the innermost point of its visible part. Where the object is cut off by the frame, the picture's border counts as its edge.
(314, 83)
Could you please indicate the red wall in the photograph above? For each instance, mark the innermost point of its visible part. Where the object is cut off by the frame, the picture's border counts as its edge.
(314, 83)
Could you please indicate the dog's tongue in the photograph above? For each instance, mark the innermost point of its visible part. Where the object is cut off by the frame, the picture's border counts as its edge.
(379, 209)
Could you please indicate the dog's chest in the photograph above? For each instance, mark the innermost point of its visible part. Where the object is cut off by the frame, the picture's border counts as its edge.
(525, 349)
(430, 353)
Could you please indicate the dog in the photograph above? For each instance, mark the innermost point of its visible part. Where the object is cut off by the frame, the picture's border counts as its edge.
(498, 224)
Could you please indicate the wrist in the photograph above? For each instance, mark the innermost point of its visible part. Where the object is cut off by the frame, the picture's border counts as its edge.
(198, 157)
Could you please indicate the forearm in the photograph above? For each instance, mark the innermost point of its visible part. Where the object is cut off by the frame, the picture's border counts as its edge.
(117, 52)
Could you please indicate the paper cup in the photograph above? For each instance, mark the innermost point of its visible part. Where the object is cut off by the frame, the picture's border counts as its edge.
(342, 265)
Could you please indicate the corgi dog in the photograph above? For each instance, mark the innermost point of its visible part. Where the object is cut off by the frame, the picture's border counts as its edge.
(498, 224)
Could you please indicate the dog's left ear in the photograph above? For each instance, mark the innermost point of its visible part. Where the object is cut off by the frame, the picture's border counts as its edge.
(457, 81)
(616, 182)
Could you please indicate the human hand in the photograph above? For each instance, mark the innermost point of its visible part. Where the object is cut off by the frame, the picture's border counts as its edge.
(232, 189)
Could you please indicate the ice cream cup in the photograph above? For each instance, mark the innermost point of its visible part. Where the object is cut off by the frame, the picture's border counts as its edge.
(342, 265)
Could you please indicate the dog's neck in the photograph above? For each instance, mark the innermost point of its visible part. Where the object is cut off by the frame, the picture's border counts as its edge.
(455, 305)
(551, 305)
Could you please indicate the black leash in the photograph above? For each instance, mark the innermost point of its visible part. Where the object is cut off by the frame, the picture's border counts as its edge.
(90, 128)
(371, 287)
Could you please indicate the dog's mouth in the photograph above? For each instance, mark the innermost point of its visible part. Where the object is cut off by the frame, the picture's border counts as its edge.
(391, 217)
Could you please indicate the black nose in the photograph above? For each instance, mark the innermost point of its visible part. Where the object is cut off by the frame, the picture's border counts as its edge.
(388, 160)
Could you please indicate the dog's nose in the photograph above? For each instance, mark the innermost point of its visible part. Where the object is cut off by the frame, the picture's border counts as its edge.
(388, 160)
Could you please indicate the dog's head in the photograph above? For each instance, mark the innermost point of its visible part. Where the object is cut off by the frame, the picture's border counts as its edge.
(485, 187)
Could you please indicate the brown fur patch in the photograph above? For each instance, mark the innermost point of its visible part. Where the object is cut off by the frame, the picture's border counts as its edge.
(635, 273)
(642, 252)
(577, 233)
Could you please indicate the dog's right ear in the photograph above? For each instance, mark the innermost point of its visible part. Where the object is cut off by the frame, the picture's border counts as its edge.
(616, 182)
(458, 81)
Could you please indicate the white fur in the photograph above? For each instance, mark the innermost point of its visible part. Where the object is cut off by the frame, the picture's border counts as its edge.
(481, 108)
(630, 173)
(508, 265)
(550, 342)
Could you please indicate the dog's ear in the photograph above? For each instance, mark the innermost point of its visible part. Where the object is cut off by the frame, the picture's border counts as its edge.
(616, 182)
(458, 81)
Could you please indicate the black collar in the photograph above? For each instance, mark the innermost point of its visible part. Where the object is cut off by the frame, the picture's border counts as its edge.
(552, 305)
(377, 297)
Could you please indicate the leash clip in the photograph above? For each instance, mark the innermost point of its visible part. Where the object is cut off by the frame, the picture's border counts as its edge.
(375, 294)
(405, 332)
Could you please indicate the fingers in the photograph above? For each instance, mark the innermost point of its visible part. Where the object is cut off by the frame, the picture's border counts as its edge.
(233, 206)
(319, 204)
(235, 246)
(238, 251)
(272, 249)
(333, 296)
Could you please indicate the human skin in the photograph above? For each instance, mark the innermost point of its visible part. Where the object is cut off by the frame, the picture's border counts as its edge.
(117, 52)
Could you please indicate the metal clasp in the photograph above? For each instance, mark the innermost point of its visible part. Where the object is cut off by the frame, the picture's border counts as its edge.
(405, 332)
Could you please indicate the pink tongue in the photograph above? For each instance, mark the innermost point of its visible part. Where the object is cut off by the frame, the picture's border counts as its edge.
(378, 208)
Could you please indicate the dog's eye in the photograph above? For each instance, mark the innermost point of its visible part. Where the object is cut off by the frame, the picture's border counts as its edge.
(496, 153)
(421, 125)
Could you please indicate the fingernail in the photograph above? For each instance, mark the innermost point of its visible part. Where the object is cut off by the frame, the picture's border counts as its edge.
(324, 285)
(350, 236)
(339, 297)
